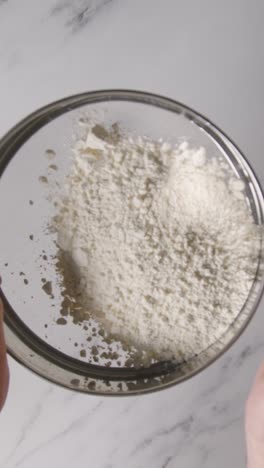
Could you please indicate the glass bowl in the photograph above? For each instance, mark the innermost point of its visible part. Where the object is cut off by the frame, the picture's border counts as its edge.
(27, 249)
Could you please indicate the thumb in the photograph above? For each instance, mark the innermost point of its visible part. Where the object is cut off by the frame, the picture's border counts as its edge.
(255, 422)
(4, 372)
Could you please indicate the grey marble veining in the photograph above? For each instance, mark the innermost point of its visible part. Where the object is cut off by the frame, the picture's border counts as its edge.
(207, 54)
(78, 13)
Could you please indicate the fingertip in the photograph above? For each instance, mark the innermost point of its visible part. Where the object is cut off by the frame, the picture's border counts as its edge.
(1, 303)
(4, 386)
(1, 310)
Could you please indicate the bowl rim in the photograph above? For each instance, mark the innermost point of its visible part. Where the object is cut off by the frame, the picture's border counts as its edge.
(9, 145)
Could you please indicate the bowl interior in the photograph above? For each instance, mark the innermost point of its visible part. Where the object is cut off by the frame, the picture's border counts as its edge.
(35, 157)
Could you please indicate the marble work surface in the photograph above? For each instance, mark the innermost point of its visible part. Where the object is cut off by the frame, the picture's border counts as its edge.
(209, 55)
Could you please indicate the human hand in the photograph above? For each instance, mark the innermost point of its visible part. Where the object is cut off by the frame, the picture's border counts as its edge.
(255, 422)
(4, 372)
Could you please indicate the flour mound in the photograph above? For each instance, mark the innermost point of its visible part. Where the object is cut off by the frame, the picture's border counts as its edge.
(161, 238)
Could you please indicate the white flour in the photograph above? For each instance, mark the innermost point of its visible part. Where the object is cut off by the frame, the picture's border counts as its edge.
(164, 244)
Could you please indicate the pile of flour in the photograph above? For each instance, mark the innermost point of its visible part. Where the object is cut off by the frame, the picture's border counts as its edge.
(162, 241)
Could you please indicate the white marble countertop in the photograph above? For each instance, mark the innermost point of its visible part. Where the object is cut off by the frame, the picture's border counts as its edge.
(209, 55)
